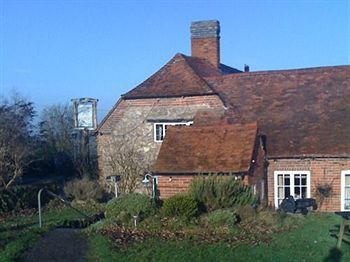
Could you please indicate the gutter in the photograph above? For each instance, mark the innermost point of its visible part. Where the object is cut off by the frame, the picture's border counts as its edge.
(301, 157)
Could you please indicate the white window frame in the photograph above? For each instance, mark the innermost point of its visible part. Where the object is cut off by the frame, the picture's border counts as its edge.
(342, 190)
(292, 174)
(164, 124)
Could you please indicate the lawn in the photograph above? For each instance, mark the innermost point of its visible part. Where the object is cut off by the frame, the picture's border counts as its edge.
(305, 239)
(310, 240)
(20, 231)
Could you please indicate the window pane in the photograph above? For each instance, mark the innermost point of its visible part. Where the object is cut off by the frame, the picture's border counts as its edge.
(347, 204)
(287, 180)
(297, 192)
(159, 132)
(286, 191)
(297, 180)
(347, 179)
(280, 192)
(303, 192)
(303, 180)
(347, 192)
(280, 180)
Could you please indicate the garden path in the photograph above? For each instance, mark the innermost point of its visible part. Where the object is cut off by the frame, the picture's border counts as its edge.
(61, 244)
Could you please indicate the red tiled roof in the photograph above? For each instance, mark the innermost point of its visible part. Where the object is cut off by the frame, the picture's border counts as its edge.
(302, 112)
(181, 76)
(206, 149)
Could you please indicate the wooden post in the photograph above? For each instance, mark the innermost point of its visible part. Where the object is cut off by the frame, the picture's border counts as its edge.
(341, 233)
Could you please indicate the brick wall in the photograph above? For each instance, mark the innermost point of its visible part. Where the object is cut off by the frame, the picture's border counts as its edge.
(322, 170)
(133, 120)
(169, 185)
(208, 48)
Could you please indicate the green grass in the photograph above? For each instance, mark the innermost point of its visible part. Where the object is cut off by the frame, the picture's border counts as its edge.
(18, 233)
(311, 241)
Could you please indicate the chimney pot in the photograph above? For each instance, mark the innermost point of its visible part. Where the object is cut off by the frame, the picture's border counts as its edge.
(246, 68)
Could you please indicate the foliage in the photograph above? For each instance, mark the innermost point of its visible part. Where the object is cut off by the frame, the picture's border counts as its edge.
(84, 189)
(122, 157)
(21, 197)
(16, 138)
(220, 217)
(128, 205)
(216, 192)
(180, 205)
(246, 212)
(308, 240)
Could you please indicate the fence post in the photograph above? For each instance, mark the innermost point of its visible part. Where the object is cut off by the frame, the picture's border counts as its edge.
(39, 206)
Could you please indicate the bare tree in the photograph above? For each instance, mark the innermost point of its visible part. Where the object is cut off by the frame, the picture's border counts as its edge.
(16, 138)
(62, 146)
(123, 157)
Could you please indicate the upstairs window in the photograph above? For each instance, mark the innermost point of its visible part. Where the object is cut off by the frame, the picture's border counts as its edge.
(160, 129)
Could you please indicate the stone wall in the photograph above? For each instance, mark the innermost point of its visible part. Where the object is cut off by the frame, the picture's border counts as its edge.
(132, 121)
(322, 170)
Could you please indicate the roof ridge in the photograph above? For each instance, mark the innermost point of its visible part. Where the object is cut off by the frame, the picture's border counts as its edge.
(184, 80)
(196, 73)
(281, 71)
(153, 75)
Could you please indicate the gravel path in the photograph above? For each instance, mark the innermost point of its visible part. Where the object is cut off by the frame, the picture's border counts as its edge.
(61, 244)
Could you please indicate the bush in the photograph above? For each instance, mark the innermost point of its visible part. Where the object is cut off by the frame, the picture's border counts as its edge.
(215, 192)
(246, 213)
(126, 206)
(180, 205)
(221, 217)
(21, 197)
(84, 189)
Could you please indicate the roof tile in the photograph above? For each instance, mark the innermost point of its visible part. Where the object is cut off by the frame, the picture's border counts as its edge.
(207, 149)
(302, 112)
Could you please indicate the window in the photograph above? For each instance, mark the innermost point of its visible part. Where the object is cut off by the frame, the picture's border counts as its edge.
(345, 190)
(160, 129)
(295, 183)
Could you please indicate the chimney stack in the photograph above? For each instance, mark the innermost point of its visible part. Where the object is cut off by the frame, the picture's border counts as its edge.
(205, 40)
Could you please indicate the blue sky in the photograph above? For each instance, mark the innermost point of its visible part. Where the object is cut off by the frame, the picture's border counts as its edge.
(55, 50)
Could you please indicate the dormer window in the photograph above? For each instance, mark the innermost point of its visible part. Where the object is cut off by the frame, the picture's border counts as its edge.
(160, 128)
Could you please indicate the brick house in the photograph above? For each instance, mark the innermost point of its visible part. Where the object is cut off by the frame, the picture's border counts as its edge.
(284, 132)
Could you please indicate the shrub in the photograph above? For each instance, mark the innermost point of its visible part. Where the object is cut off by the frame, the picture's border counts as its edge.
(180, 205)
(215, 192)
(221, 217)
(83, 190)
(246, 212)
(21, 197)
(126, 206)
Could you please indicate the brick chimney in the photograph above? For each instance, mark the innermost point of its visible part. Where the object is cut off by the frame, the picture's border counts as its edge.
(205, 40)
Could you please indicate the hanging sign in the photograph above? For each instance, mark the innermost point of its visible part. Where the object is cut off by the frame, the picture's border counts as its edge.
(85, 113)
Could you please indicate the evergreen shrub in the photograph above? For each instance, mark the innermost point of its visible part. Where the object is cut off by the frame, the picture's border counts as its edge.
(128, 205)
(219, 192)
(180, 205)
(221, 217)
